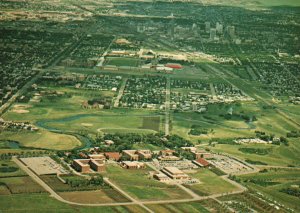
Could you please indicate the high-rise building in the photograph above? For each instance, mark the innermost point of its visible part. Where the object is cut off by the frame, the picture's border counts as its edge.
(207, 26)
(231, 31)
(219, 28)
(213, 34)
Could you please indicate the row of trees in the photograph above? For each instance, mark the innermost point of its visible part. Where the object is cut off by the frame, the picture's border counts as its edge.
(126, 141)
(77, 182)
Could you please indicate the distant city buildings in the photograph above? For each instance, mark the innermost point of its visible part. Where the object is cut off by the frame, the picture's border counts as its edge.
(207, 26)
(213, 34)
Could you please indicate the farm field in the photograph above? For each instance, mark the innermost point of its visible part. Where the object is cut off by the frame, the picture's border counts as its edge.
(272, 181)
(191, 207)
(20, 185)
(10, 169)
(208, 182)
(41, 203)
(139, 185)
(98, 196)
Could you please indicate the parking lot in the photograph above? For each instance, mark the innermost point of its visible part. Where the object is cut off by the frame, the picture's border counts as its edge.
(43, 165)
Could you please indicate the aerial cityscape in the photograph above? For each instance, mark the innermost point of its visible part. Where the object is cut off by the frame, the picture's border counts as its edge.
(160, 106)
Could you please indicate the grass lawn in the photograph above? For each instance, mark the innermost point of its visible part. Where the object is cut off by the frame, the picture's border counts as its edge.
(139, 185)
(41, 203)
(42, 139)
(100, 122)
(210, 183)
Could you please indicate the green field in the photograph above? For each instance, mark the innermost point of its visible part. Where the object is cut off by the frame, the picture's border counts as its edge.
(10, 169)
(209, 181)
(43, 203)
(42, 139)
(65, 114)
(20, 185)
(139, 185)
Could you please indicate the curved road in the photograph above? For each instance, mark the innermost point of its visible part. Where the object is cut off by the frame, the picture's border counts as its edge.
(53, 194)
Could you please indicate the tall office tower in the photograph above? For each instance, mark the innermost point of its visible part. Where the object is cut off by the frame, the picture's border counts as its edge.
(213, 34)
(219, 28)
(231, 31)
(207, 26)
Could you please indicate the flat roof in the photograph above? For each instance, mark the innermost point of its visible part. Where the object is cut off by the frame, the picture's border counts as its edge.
(173, 170)
(82, 162)
(132, 163)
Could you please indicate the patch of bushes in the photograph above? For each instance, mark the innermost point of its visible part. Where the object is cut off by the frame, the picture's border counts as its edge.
(255, 162)
(257, 151)
(291, 191)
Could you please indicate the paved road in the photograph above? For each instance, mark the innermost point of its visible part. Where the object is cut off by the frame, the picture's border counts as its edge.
(133, 201)
(167, 107)
(53, 62)
(283, 115)
(127, 195)
(213, 91)
(277, 167)
(5, 106)
(121, 91)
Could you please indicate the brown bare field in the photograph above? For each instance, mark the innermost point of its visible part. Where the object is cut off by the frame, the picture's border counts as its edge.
(98, 196)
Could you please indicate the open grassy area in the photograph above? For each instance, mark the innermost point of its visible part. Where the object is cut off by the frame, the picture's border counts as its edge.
(139, 184)
(66, 113)
(42, 139)
(209, 181)
(99, 123)
(268, 120)
(41, 203)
